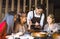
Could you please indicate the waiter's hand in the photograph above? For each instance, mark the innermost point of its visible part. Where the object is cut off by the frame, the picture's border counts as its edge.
(55, 30)
(30, 23)
(36, 24)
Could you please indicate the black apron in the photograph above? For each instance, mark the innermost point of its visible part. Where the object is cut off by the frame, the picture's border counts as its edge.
(34, 20)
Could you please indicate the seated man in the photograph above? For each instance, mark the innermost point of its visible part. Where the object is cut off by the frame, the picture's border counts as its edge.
(9, 18)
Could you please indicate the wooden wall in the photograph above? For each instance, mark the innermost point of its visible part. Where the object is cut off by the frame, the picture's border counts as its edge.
(20, 5)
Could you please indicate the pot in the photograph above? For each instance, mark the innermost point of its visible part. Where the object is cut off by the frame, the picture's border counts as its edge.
(39, 34)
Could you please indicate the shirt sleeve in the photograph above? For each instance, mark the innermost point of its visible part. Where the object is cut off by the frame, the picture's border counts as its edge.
(45, 28)
(5, 17)
(57, 26)
(29, 17)
(42, 20)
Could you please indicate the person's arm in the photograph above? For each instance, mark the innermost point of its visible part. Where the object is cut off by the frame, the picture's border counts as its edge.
(19, 33)
(42, 20)
(29, 17)
(56, 28)
(45, 28)
(5, 17)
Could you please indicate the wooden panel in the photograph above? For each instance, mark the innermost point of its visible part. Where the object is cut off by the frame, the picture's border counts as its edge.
(0, 9)
(24, 5)
(29, 5)
(47, 8)
(6, 7)
(18, 6)
(12, 5)
(35, 3)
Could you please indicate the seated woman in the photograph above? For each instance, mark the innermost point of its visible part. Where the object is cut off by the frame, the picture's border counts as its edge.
(51, 27)
(20, 25)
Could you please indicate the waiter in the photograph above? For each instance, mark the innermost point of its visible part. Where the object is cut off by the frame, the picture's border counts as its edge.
(35, 18)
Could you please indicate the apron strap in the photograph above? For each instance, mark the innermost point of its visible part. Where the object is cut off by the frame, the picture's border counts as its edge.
(40, 15)
(33, 13)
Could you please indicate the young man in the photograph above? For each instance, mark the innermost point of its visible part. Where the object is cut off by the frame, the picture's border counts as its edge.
(9, 18)
(36, 17)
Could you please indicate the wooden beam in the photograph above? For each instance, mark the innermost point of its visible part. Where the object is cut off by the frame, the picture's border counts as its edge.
(47, 7)
(0, 9)
(35, 3)
(24, 5)
(18, 6)
(29, 5)
(12, 5)
(6, 7)
(42, 1)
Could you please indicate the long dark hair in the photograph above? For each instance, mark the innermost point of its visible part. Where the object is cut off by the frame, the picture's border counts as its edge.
(16, 22)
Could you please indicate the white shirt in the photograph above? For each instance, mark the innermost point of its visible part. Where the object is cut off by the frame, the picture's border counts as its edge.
(30, 16)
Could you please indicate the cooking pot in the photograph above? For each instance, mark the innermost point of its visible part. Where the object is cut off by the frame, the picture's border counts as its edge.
(39, 34)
